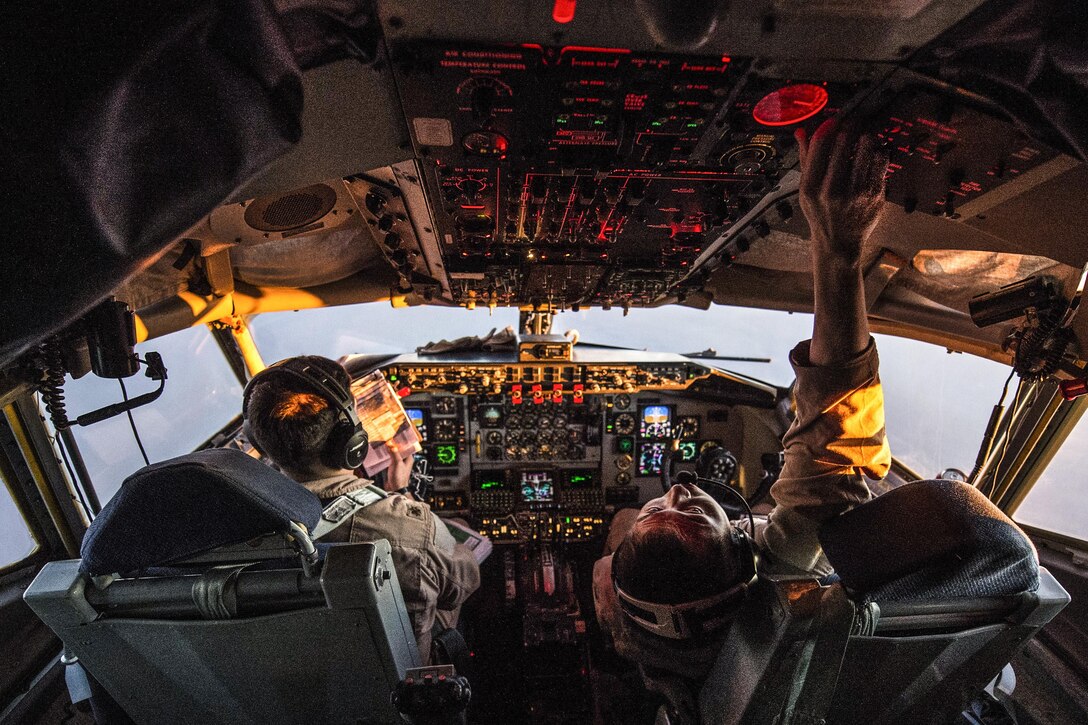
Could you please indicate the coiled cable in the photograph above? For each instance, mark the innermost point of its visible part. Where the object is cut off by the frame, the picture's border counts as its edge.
(51, 384)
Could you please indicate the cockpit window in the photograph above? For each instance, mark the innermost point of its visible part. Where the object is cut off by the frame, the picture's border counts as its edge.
(1056, 502)
(16, 540)
(368, 329)
(201, 396)
(937, 404)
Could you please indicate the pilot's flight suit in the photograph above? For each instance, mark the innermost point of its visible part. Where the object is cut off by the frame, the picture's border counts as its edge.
(836, 438)
(436, 573)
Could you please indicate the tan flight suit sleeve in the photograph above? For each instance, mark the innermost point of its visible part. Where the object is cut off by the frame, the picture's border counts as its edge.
(835, 440)
(455, 567)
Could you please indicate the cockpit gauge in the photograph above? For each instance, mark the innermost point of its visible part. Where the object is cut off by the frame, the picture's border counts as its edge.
(559, 420)
(623, 478)
(624, 462)
(513, 420)
(622, 401)
(624, 424)
(445, 406)
(689, 451)
(490, 416)
(445, 430)
(494, 437)
(544, 422)
(687, 428)
(446, 455)
(790, 104)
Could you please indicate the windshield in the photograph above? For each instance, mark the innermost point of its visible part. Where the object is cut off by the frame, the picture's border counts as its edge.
(937, 403)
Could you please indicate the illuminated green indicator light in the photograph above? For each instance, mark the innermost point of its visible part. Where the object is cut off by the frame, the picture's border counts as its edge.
(578, 479)
(655, 123)
(567, 519)
(393, 378)
(598, 122)
(489, 484)
(693, 125)
(446, 454)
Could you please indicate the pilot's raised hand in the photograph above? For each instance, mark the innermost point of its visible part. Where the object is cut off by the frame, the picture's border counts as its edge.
(842, 188)
(400, 469)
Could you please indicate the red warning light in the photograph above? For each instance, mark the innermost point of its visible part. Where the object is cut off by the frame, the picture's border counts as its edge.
(791, 104)
(563, 10)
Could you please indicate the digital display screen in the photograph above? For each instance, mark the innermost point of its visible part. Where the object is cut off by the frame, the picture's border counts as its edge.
(625, 444)
(490, 481)
(537, 486)
(582, 479)
(650, 458)
(491, 416)
(445, 454)
(418, 416)
(655, 421)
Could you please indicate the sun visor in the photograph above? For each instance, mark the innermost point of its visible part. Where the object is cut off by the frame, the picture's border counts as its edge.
(305, 261)
(137, 126)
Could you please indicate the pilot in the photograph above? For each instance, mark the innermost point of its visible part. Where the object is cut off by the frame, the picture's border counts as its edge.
(293, 423)
(676, 570)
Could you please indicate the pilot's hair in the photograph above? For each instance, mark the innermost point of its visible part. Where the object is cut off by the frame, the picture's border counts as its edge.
(669, 563)
(291, 422)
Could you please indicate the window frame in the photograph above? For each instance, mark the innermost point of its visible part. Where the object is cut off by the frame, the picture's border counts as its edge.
(1053, 433)
(34, 481)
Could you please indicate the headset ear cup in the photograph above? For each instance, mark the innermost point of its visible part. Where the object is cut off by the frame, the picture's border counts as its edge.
(355, 450)
(247, 430)
(746, 553)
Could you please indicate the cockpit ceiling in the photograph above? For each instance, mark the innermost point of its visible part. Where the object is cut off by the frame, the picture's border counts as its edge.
(619, 159)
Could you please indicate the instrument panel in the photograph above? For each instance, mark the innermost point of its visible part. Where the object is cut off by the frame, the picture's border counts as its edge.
(572, 176)
(544, 452)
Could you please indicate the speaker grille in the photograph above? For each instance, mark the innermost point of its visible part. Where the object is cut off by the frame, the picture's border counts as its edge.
(290, 211)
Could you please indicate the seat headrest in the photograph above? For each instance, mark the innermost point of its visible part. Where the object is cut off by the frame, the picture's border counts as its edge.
(930, 540)
(175, 509)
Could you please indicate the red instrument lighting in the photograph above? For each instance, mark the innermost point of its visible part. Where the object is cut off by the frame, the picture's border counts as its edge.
(791, 104)
(1072, 389)
(538, 394)
(557, 393)
(563, 10)
(515, 394)
(404, 392)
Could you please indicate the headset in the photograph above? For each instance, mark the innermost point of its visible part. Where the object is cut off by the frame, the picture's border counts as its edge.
(688, 620)
(347, 444)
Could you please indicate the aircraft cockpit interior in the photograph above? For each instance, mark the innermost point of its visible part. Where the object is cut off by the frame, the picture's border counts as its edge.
(189, 184)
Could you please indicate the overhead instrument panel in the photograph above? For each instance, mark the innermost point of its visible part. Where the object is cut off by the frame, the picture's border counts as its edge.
(944, 153)
(590, 176)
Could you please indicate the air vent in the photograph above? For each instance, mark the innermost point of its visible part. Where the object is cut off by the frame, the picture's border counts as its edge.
(298, 209)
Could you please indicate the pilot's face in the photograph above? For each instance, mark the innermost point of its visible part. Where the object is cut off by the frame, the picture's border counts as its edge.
(684, 505)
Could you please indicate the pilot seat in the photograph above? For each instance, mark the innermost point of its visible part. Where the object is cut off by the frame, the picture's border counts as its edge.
(201, 598)
(937, 591)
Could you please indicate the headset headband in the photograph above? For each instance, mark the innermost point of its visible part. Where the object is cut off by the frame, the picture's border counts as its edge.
(674, 621)
(324, 384)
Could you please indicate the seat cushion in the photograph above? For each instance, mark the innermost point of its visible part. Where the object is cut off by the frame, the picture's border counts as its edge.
(184, 506)
(930, 540)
